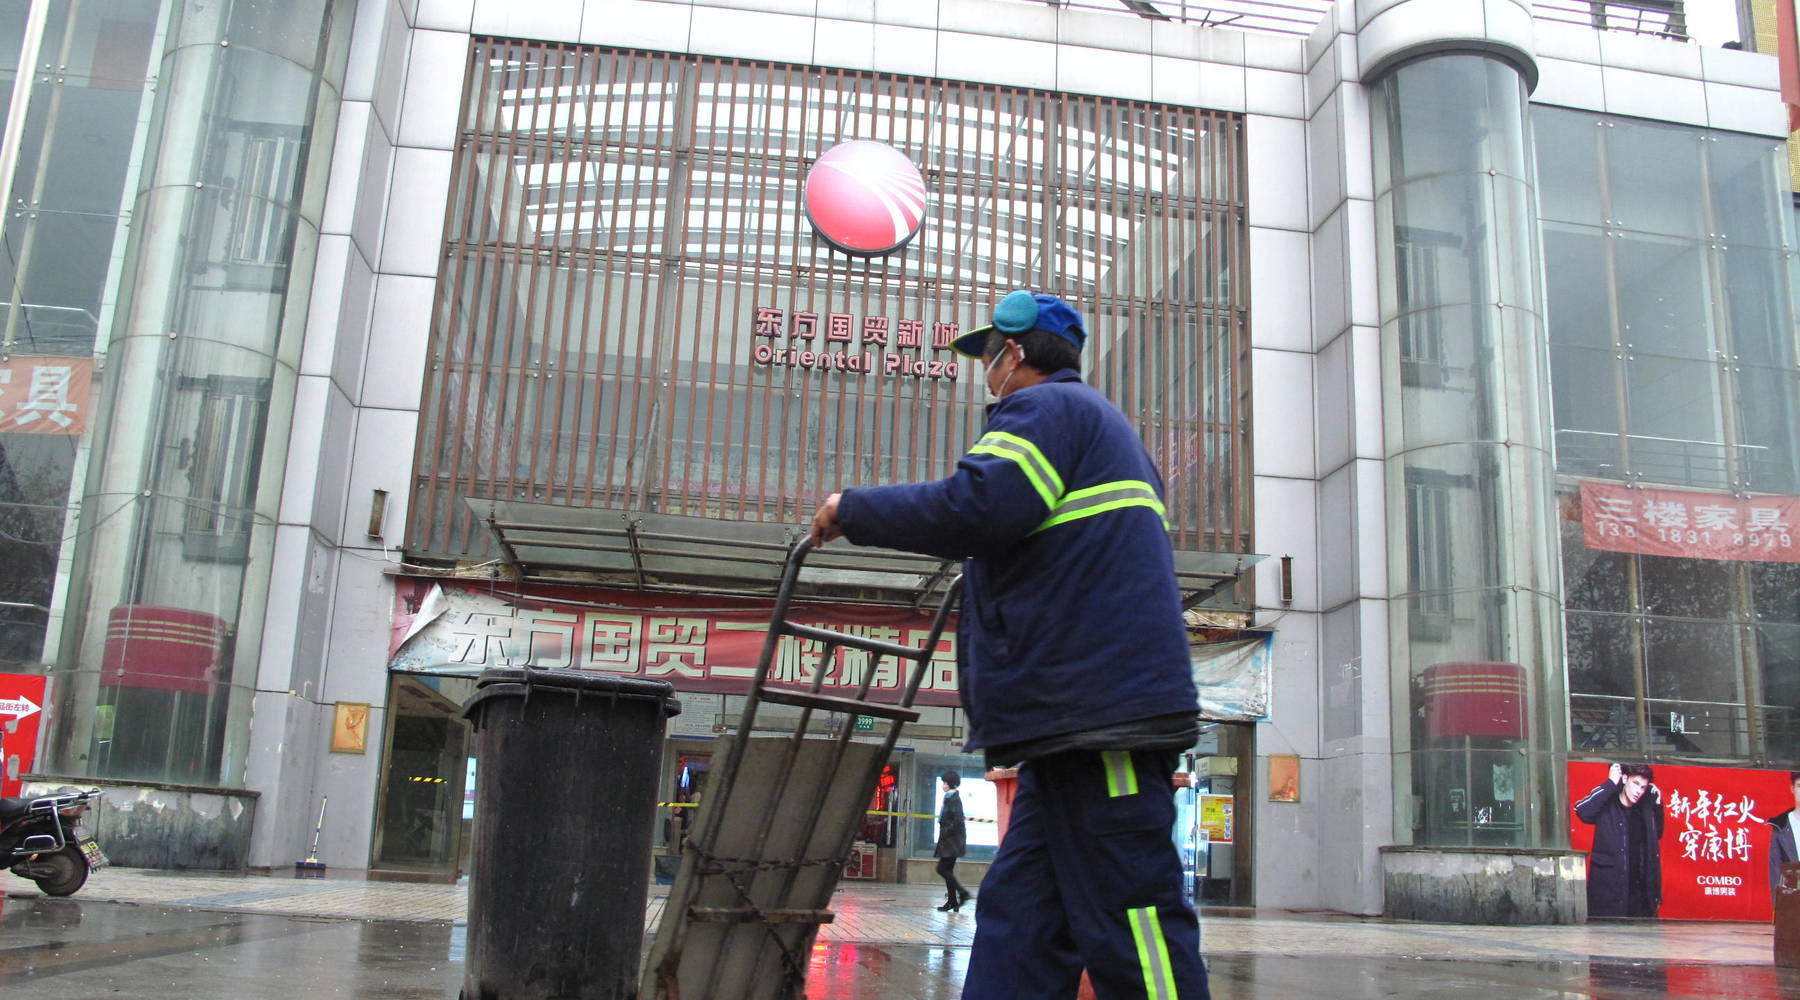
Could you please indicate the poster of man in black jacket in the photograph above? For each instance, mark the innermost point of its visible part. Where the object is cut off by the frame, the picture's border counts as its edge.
(1625, 866)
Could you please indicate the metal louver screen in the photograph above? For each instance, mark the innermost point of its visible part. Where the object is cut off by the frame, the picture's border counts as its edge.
(628, 271)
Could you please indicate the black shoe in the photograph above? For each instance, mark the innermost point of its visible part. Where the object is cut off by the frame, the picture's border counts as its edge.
(950, 903)
(966, 896)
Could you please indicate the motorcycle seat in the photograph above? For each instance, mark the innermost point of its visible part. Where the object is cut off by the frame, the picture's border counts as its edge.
(11, 809)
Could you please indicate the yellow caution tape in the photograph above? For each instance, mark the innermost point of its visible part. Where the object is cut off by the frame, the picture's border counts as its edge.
(871, 812)
(878, 812)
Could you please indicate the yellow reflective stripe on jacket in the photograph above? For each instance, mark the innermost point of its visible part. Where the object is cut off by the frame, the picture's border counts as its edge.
(1037, 468)
(1100, 499)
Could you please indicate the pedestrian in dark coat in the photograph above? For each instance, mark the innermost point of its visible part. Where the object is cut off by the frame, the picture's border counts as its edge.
(952, 842)
(1625, 866)
(1784, 837)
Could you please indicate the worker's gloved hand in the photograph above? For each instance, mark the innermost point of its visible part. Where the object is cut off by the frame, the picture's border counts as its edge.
(825, 525)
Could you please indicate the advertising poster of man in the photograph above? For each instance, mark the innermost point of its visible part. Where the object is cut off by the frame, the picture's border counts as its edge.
(1784, 834)
(1625, 861)
(1712, 854)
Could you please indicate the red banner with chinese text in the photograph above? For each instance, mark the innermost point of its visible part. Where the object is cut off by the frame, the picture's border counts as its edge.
(21, 710)
(1689, 524)
(1715, 843)
(696, 643)
(44, 395)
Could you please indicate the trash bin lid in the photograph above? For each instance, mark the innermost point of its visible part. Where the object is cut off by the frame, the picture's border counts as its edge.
(584, 683)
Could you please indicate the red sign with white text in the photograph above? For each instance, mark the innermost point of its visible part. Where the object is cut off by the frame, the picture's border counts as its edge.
(1715, 841)
(21, 709)
(44, 395)
(1691, 525)
(696, 643)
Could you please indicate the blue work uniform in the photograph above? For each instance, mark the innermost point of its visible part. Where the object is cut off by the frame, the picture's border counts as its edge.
(1071, 635)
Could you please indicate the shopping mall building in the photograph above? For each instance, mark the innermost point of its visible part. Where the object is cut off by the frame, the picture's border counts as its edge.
(355, 347)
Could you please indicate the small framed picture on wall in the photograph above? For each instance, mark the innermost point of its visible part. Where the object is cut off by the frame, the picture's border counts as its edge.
(350, 727)
(1284, 777)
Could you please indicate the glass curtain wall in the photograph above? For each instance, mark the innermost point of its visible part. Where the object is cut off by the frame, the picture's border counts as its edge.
(1670, 296)
(1478, 693)
(66, 164)
(634, 313)
(158, 657)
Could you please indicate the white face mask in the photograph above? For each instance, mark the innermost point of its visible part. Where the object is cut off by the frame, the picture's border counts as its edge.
(986, 376)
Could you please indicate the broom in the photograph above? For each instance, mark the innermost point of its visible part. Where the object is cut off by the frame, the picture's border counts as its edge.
(312, 867)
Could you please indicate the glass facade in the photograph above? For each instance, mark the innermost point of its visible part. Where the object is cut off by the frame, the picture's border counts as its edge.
(157, 658)
(634, 314)
(59, 238)
(1477, 689)
(1673, 364)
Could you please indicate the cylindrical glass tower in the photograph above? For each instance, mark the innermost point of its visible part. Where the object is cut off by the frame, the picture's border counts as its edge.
(1479, 701)
(170, 583)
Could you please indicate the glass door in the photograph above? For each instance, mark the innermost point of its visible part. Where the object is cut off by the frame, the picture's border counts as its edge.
(1214, 812)
(427, 780)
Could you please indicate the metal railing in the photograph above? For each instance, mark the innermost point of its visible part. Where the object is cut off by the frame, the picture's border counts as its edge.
(1660, 18)
(1295, 18)
(1682, 728)
(1674, 461)
(46, 329)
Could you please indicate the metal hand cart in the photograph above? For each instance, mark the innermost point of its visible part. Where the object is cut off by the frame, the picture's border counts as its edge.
(776, 826)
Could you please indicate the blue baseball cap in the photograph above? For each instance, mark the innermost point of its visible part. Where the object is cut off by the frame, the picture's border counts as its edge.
(1021, 312)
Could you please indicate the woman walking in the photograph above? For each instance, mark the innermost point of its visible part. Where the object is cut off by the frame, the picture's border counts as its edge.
(952, 842)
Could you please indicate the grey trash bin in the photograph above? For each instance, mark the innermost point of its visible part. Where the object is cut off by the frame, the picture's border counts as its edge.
(567, 764)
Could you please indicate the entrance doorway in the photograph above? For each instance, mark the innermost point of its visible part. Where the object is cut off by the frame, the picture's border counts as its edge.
(687, 763)
(425, 810)
(686, 766)
(1213, 820)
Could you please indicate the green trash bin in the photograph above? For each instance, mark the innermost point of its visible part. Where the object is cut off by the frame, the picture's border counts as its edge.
(564, 814)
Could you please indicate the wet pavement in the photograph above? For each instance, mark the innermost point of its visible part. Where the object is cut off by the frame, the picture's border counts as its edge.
(254, 938)
(74, 948)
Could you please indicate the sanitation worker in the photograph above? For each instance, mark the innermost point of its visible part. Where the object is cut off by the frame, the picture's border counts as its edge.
(1074, 663)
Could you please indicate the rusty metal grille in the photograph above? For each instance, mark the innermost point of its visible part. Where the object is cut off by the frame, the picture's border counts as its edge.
(625, 233)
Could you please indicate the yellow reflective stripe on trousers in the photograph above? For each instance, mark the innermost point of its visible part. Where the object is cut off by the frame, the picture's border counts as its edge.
(1100, 499)
(1153, 953)
(1037, 468)
(1121, 778)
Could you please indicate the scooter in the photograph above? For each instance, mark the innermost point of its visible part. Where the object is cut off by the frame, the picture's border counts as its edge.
(41, 839)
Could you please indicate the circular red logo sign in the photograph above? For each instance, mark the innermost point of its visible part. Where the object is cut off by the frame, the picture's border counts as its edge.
(865, 198)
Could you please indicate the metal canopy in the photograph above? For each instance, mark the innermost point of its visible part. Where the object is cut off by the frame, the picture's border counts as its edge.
(546, 543)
